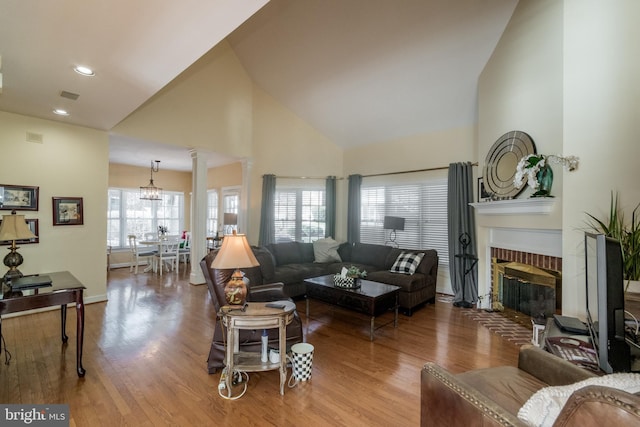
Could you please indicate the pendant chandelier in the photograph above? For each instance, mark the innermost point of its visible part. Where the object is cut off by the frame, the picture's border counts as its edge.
(151, 192)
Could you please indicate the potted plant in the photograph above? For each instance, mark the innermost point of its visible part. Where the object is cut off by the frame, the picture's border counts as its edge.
(627, 233)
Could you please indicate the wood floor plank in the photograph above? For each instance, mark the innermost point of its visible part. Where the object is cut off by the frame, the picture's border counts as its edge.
(146, 347)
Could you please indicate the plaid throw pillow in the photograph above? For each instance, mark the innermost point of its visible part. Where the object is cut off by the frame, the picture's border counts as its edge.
(407, 263)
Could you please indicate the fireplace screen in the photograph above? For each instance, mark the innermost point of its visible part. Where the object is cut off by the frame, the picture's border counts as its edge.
(527, 289)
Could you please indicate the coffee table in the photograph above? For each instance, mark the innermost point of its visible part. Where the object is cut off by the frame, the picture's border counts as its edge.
(370, 298)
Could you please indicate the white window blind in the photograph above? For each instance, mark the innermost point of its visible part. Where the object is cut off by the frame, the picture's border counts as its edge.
(299, 214)
(423, 205)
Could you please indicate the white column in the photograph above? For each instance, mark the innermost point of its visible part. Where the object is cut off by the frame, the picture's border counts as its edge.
(198, 215)
(245, 194)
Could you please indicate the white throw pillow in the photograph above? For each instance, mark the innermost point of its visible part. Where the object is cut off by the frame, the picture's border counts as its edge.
(545, 405)
(326, 250)
(407, 262)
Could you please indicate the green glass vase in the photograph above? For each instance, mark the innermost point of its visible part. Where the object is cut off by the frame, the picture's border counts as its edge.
(545, 179)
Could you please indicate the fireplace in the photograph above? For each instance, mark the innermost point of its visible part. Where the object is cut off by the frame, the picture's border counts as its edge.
(525, 288)
(525, 272)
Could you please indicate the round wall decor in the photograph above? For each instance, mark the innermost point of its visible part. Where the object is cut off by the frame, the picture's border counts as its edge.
(502, 159)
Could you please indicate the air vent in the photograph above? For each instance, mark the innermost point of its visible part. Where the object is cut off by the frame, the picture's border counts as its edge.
(34, 137)
(69, 95)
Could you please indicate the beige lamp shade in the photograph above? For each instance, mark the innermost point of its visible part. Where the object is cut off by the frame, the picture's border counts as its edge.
(235, 253)
(14, 227)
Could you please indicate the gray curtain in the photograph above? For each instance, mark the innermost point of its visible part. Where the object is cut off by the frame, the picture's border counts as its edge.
(353, 209)
(267, 211)
(330, 207)
(462, 220)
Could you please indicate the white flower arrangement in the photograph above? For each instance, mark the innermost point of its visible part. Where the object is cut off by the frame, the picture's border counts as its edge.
(530, 165)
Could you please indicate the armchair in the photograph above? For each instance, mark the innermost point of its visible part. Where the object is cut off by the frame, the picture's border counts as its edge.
(493, 396)
(250, 340)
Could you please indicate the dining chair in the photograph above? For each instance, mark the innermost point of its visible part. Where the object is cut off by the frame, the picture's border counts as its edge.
(168, 252)
(185, 247)
(138, 255)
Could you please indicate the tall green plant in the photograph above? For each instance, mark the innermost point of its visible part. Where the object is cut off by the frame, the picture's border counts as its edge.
(627, 234)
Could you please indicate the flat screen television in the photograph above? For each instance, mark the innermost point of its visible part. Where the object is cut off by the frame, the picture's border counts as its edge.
(605, 302)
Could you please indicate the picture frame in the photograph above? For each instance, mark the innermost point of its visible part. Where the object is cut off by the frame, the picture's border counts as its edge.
(67, 211)
(33, 226)
(483, 194)
(18, 197)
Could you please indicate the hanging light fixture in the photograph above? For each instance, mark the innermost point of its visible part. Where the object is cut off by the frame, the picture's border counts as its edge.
(151, 192)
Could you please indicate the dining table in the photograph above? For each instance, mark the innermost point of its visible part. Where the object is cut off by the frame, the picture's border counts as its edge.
(159, 243)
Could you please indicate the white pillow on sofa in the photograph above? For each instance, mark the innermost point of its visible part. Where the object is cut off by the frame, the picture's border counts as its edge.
(545, 405)
(326, 250)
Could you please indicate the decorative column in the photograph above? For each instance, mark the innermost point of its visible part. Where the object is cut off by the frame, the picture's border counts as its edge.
(245, 194)
(198, 215)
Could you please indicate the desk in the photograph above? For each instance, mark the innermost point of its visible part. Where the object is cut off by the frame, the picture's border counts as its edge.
(65, 289)
(255, 316)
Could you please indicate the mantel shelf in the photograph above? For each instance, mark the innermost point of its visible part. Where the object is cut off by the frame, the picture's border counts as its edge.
(531, 206)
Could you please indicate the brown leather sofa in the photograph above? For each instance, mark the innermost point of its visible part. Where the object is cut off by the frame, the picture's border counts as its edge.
(493, 396)
(250, 340)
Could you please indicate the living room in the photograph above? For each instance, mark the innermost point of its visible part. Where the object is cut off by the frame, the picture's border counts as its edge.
(565, 72)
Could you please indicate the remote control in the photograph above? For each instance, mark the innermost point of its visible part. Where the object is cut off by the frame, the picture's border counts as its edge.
(275, 305)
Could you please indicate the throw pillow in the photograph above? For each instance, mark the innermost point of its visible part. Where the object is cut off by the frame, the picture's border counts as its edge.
(407, 262)
(545, 405)
(326, 250)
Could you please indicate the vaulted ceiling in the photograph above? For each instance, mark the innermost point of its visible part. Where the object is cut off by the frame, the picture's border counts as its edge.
(359, 71)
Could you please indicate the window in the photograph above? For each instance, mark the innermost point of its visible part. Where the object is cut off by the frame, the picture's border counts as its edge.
(127, 214)
(422, 204)
(230, 204)
(299, 214)
(212, 212)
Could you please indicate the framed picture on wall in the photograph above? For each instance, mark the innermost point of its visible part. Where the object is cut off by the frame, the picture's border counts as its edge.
(67, 211)
(483, 194)
(18, 197)
(33, 226)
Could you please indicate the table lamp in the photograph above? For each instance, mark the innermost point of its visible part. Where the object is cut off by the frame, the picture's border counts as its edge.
(235, 253)
(14, 227)
(393, 223)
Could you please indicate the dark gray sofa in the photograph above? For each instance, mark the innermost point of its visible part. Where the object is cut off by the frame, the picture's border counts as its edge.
(292, 262)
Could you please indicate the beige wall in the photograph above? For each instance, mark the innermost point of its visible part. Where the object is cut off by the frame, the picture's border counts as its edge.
(520, 88)
(208, 106)
(285, 145)
(601, 111)
(566, 72)
(71, 162)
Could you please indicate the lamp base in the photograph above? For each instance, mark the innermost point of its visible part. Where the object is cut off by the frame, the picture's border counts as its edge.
(12, 260)
(235, 291)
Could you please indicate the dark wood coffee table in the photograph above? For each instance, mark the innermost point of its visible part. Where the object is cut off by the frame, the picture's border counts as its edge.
(370, 298)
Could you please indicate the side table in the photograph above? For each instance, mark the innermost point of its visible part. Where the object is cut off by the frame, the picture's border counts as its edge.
(256, 315)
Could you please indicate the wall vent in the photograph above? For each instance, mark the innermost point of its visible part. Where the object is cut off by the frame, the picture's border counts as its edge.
(69, 95)
(34, 137)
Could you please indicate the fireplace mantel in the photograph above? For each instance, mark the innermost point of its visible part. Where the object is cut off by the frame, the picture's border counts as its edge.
(531, 206)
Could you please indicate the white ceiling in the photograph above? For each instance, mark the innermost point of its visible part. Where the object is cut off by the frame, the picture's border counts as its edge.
(359, 71)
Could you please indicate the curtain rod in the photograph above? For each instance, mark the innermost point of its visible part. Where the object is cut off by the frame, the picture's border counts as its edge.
(413, 171)
(375, 174)
(305, 177)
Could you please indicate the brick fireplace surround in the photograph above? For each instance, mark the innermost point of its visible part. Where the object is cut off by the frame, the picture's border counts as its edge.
(537, 260)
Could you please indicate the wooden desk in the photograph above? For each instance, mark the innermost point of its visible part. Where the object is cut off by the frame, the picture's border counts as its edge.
(65, 289)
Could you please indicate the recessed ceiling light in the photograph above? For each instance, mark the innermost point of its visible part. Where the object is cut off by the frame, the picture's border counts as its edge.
(60, 112)
(85, 71)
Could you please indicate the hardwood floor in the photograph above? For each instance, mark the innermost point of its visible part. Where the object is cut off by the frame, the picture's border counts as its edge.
(145, 354)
